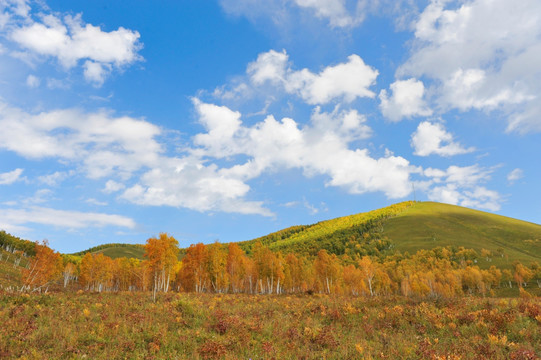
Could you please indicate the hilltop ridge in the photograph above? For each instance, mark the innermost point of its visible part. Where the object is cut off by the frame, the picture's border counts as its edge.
(405, 227)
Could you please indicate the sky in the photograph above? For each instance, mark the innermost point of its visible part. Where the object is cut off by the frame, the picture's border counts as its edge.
(230, 119)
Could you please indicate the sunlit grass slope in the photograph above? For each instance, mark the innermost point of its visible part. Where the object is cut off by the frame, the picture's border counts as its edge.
(116, 251)
(407, 226)
(123, 251)
(427, 225)
(359, 232)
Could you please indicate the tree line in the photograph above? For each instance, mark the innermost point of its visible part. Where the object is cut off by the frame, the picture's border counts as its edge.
(227, 268)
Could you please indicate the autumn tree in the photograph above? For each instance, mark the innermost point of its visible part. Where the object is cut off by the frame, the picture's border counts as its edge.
(236, 266)
(353, 280)
(269, 269)
(295, 274)
(536, 271)
(69, 273)
(96, 272)
(368, 269)
(215, 265)
(161, 253)
(327, 270)
(522, 274)
(193, 273)
(44, 267)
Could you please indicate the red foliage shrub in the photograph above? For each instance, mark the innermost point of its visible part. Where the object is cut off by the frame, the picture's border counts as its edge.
(212, 350)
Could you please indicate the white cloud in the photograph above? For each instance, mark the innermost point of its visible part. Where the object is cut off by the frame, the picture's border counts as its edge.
(103, 145)
(93, 201)
(40, 196)
(479, 197)
(32, 81)
(337, 13)
(55, 178)
(333, 10)
(432, 138)
(482, 198)
(406, 100)
(10, 9)
(270, 66)
(515, 175)
(57, 84)
(112, 186)
(322, 148)
(482, 54)
(189, 183)
(100, 143)
(10, 177)
(345, 81)
(69, 40)
(63, 218)
(462, 186)
(96, 72)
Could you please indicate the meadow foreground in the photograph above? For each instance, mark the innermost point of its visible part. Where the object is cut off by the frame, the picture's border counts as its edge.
(216, 326)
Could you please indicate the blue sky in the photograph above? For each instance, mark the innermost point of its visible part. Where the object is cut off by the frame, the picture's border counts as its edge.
(227, 120)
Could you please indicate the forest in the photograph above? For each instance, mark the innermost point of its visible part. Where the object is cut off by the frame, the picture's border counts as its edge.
(226, 268)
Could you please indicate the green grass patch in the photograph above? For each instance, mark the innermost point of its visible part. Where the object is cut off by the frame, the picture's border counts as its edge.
(428, 225)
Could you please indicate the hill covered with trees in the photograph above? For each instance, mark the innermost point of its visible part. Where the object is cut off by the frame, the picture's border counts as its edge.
(419, 249)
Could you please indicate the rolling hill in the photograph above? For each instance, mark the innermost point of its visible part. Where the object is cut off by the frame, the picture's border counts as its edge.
(116, 251)
(409, 227)
(428, 224)
(405, 227)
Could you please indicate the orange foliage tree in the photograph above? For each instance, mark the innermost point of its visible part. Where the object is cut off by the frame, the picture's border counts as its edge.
(162, 256)
(43, 268)
(96, 272)
(193, 273)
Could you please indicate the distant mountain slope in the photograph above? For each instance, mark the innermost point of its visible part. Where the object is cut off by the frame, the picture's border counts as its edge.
(116, 251)
(407, 226)
(428, 224)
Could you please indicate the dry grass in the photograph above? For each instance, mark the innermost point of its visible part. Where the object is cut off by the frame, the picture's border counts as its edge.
(190, 326)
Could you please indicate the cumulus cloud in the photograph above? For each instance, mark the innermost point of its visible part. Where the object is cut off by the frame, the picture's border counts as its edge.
(406, 100)
(432, 138)
(10, 177)
(321, 148)
(100, 142)
(482, 55)
(515, 175)
(70, 40)
(188, 183)
(342, 82)
(463, 186)
(62, 218)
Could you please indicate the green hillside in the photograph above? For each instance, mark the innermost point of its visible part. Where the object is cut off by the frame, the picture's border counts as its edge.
(116, 251)
(359, 234)
(405, 227)
(428, 224)
(412, 226)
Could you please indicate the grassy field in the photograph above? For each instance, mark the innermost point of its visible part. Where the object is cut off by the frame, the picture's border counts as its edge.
(427, 225)
(190, 326)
